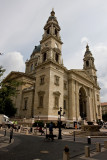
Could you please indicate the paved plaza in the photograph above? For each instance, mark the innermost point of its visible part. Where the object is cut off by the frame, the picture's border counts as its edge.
(35, 147)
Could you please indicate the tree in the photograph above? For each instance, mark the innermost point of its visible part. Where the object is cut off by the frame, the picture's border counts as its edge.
(8, 89)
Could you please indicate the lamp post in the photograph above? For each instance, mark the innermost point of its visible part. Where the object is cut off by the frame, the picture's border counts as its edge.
(59, 123)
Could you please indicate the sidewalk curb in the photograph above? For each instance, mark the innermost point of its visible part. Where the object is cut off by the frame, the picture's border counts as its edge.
(5, 142)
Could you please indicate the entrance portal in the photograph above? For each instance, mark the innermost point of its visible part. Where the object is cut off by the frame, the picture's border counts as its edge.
(82, 103)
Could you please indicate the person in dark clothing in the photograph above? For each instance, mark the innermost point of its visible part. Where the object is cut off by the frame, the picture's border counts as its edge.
(51, 128)
(11, 135)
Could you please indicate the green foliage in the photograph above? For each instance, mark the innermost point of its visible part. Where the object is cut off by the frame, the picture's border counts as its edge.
(7, 107)
(8, 89)
(104, 116)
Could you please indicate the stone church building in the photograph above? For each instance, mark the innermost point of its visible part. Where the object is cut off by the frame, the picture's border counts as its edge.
(48, 85)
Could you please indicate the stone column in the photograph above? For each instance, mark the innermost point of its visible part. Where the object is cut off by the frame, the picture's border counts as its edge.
(88, 108)
(91, 107)
(69, 99)
(94, 105)
(77, 101)
(73, 100)
(71, 112)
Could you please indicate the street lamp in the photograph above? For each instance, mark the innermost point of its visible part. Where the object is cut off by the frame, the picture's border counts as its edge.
(59, 123)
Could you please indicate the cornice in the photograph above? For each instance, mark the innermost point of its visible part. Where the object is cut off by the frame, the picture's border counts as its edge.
(80, 75)
(50, 36)
(53, 62)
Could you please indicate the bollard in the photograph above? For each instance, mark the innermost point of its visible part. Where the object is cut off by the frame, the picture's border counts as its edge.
(27, 132)
(5, 132)
(87, 151)
(66, 153)
(98, 147)
(19, 130)
(74, 136)
(33, 131)
(89, 140)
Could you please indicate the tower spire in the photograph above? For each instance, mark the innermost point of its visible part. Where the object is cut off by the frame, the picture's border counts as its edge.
(89, 64)
(87, 47)
(52, 12)
(88, 52)
(51, 41)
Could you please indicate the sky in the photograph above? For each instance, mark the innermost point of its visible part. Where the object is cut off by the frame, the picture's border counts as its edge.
(81, 22)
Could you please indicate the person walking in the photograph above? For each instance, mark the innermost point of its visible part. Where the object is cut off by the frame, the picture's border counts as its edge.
(11, 134)
(51, 129)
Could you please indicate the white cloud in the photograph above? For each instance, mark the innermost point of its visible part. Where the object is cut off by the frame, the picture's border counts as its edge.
(12, 61)
(84, 40)
(100, 54)
(22, 25)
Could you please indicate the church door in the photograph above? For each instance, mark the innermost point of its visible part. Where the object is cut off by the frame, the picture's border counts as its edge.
(82, 103)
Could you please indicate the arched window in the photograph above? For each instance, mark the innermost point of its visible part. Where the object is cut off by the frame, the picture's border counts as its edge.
(44, 57)
(87, 63)
(56, 57)
(64, 104)
(55, 32)
(32, 67)
(82, 103)
(48, 31)
(25, 104)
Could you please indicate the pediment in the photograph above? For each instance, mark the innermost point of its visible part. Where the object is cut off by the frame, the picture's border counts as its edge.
(82, 73)
(14, 75)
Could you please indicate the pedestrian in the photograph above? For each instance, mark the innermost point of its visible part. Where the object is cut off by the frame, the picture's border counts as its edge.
(45, 125)
(11, 134)
(41, 130)
(51, 129)
(30, 129)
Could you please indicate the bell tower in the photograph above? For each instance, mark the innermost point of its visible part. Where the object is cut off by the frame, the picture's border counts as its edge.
(51, 43)
(89, 64)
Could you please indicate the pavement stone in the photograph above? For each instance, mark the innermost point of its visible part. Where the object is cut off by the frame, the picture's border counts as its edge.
(4, 142)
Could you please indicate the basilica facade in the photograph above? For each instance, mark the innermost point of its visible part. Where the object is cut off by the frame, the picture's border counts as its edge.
(48, 85)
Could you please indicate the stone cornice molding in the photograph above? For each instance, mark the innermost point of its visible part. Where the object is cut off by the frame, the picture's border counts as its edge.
(51, 36)
(52, 61)
(65, 96)
(57, 93)
(41, 93)
(45, 49)
(57, 50)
